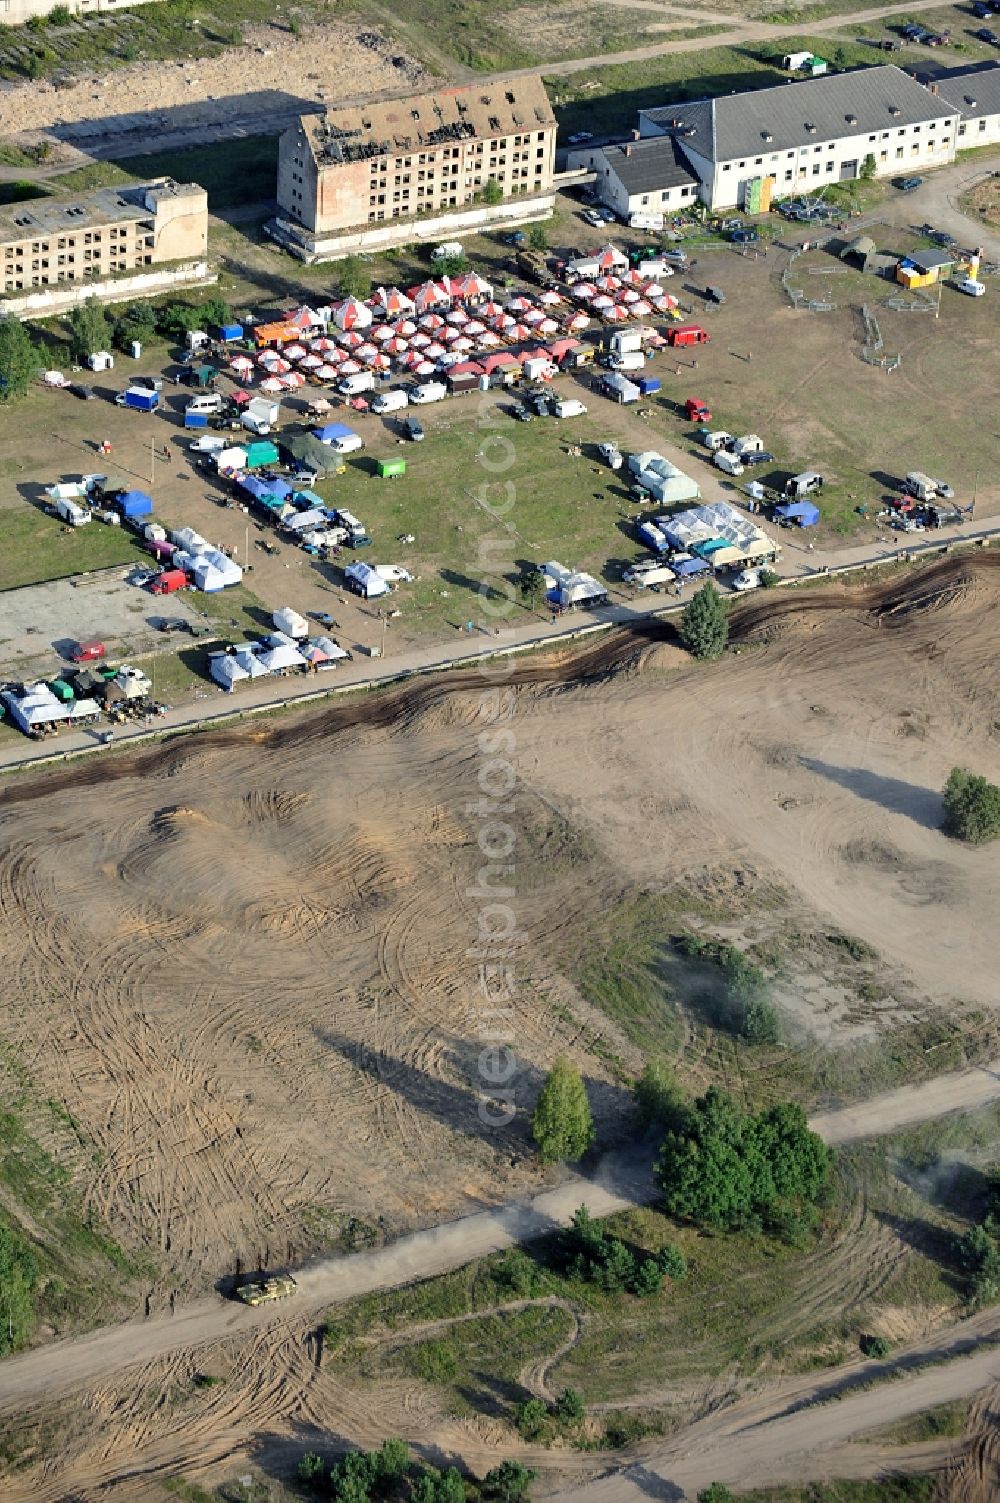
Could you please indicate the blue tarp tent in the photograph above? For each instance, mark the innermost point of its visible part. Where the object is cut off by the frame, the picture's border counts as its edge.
(685, 567)
(136, 504)
(803, 512)
(331, 432)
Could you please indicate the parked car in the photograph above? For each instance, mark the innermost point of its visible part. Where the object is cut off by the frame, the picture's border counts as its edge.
(908, 184)
(971, 287)
(413, 430)
(91, 651)
(85, 393)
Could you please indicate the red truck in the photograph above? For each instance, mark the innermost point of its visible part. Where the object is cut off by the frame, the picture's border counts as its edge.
(686, 334)
(168, 581)
(697, 411)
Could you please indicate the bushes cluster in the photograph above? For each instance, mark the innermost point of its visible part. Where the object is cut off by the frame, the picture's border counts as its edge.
(595, 1257)
(746, 1008)
(723, 1167)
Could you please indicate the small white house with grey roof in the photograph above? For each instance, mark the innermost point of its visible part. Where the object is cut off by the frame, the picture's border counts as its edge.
(796, 137)
(640, 177)
(975, 94)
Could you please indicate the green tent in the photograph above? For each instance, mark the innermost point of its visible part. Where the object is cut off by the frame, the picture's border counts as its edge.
(390, 469)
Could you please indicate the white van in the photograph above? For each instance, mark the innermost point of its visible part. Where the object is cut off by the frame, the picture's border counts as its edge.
(353, 386)
(208, 402)
(728, 463)
(570, 408)
(431, 391)
(391, 401)
(629, 360)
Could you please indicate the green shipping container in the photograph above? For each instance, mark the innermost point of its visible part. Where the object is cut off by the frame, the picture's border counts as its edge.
(261, 454)
(388, 469)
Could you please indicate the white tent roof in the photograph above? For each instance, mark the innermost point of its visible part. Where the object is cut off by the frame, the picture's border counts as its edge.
(282, 656)
(225, 669)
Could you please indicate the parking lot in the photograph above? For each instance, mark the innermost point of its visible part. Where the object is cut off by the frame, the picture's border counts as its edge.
(43, 622)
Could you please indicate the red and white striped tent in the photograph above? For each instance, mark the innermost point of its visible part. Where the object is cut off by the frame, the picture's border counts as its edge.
(352, 314)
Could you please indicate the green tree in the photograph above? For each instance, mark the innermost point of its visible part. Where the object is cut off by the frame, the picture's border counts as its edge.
(353, 278)
(450, 266)
(971, 807)
(392, 1460)
(562, 1125)
(538, 237)
(531, 583)
(88, 330)
(492, 192)
(449, 1487)
(532, 1418)
(19, 359)
(310, 1470)
(569, 1407)
(658, 1097)
(704, 624)
(18, 1281)
(725, 1168)
(673, 1262)
(510, 1482)
(648, 1278)
(869, 167)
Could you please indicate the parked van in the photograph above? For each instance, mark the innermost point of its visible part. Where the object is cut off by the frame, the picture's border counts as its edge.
(728, 463)
(391, 401)
(353, 386)
(631, 360)
(431, 391)
(207, 402)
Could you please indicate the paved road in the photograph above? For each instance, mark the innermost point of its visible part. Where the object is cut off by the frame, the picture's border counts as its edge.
(620, 1180)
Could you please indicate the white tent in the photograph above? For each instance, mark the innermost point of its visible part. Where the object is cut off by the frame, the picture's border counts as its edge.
(282, 655)
(37, 706)
(226, 669)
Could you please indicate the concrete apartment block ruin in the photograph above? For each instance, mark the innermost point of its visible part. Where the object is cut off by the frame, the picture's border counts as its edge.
(376, 175)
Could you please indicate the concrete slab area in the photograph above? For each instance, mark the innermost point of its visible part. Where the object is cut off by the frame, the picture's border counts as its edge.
(43, 619)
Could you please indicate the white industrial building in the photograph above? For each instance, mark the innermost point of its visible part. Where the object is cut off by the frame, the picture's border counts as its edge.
(746, 149)
(975, 94)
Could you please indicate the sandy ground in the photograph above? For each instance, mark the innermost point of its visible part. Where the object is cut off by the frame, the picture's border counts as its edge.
(253, 988)
(273, 72)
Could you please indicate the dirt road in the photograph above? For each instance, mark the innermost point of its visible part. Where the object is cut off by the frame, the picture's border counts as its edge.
(789, 1436)
(620, 1181)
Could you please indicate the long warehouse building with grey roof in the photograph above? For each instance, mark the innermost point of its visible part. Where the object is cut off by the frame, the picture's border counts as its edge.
(797, 137)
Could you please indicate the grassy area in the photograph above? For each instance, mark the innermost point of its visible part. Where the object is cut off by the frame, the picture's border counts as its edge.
(943, 1422)
(233, 173)
(749, 1300)
(919, 1489)
(59, 1268)
(563, 507)
(172, 29)
(477, 1363)
(38, 547)
(607, 98)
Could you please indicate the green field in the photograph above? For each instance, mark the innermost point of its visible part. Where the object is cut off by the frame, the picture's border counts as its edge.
(565, 508)
(608, 98)
(233, 173)
(37, 547)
